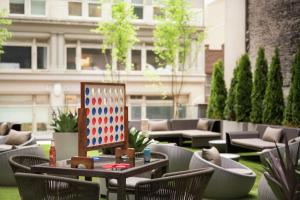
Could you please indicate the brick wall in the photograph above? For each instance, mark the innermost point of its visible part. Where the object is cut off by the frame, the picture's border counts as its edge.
(211, 56)
(272, 23)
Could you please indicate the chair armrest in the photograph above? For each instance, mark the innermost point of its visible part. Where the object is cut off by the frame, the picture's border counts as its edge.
(182, 172)
(29, 142)
(242, 134)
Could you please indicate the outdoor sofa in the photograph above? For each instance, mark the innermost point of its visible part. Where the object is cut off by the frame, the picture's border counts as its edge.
(179, 130)
(264, 137)
(5, 127)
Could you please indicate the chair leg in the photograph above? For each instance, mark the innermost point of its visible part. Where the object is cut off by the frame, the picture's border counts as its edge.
(107, 194)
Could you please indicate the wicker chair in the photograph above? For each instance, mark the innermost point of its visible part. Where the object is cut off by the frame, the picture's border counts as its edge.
(184, 185)
(179, 158)
(37, 187)
(23, 163)
(112, 184)
(7, 175)
(231, 180)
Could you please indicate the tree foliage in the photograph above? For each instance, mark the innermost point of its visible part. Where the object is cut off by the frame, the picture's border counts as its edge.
(119, 34)
(243, 90)
(173, 38)
(4, 33)
(229, 112)
(273, 104)
(259, 87)
(218, 93)
(292, 110)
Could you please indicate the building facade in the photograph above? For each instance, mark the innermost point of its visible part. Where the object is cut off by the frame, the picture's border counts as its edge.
(52, 50)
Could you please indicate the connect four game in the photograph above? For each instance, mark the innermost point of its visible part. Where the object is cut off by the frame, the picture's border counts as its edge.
(104, 114)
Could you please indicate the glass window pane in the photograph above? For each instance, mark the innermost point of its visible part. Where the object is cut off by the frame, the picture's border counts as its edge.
(94, 59)
(157, 12)
(159, 112)
(153, 61)
(136, 59)
(38, 7)
(75, 9)
(137, 1)
(16, 57)
(42, 57)
(136, 112)
(94, 10)
(138, 11)
(16, 6)
(71, 58)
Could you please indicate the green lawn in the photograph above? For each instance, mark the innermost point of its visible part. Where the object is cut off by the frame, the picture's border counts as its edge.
(11, 193)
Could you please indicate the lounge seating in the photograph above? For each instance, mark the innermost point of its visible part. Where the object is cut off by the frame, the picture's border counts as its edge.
(7, 176)
(179, 158)
(182, 185)
(16, 139)
(37, 187)
(260, 139)
(230, 180)
(264, 190)
(5, 127)
(183, 129)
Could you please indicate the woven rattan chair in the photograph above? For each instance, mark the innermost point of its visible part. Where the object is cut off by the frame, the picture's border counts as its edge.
(23, 163)
(37, 187)
(112, 184)
(184, 185)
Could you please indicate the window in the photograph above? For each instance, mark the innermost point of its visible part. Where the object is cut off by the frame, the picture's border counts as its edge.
(92, 59)
(136, 112)
(153, 61)
(159, 112)
(38, 7)
(136, 59)
(75, 9)
(71, 58)
(94, 10)
(16, 57)
(17, 6)
(157, 12)
(42, 57)
(138, 8)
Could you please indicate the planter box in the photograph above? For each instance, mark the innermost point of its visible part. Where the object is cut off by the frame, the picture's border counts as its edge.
(228, 126)
(66, 145)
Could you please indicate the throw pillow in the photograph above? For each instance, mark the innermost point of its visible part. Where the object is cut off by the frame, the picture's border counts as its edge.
(17, 137)
(202, 125)
(272, 134)
(4, 128)
(212, 155)
(161, 125)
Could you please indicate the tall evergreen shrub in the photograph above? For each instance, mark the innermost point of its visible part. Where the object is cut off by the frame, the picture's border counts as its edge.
(218, 92)
(229, 112)
(273, 104)
(259, 87)
(292, 110)
(243, 90)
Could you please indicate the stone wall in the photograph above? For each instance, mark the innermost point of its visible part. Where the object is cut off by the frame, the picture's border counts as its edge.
(272, 23)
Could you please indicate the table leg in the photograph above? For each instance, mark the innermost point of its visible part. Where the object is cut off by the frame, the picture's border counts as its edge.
(121, 188)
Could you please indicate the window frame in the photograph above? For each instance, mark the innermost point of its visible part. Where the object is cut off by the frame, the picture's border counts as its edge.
(27, 10)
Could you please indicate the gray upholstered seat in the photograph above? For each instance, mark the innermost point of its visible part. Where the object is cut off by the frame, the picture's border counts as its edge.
(254, 143)
(228, 184)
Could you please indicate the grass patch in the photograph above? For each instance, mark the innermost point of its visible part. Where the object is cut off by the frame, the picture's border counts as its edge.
(11, 193)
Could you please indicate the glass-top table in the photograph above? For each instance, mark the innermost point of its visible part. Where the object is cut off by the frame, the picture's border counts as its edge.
(104, 167)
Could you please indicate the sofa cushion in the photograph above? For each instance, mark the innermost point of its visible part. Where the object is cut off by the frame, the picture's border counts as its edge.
(5, 147)
(161, 125)
(203, 124)
(212, 155)
(272, 134)
(17, 137)
(254, 143)
(240, 171)
(4, 128)
(199, 133)
(130, 182)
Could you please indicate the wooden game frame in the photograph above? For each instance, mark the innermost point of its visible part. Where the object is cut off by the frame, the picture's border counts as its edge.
(82, 147)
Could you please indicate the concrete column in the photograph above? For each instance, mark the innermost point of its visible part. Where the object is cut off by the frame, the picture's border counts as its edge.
(61, 51)
(34, 55)
(78, 56)
(53, 51)
(200, 58)
(144, 57)
(235, 43)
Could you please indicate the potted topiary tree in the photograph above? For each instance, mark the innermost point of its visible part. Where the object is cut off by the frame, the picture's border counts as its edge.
(65, 125)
